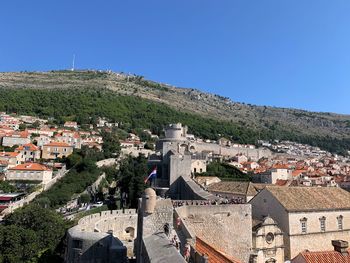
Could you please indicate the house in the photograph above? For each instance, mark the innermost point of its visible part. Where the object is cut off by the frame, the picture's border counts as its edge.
(29, 172)
(92, 145)
(69, 137)
(198, 166)
(55, 150)
(17, 138)
(309, 217)
(71, 124)
(28, 153)
(276, 172)
(11, 158)
(340, 254)
(240, 158)
(42, 140)
(223, 142)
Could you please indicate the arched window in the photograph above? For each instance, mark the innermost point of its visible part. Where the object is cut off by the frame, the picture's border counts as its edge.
(130, 232)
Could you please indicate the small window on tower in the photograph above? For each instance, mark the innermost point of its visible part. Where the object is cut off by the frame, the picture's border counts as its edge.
(323, 224)
(340, 222)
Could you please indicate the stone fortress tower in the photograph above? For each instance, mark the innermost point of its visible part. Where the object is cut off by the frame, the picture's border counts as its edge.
(173, 158)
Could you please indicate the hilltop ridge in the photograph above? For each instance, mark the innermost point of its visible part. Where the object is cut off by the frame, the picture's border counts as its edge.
(276, 120)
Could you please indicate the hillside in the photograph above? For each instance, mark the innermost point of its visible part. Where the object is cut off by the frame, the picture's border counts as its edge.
(328, 130)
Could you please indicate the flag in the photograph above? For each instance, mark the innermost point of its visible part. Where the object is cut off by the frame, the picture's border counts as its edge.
(153, 174)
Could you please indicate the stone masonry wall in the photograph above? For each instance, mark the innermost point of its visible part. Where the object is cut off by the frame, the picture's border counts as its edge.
(227, 227)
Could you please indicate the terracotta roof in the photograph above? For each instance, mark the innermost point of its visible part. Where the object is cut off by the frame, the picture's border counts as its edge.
(4, 163)
(8, 154)
(31, 147)
(214, 255)
(298, 172)
(21, 134)
(281, 182)
(280, 166)
(323, 257)
(311, 198)
(30, 167)
(58, 144)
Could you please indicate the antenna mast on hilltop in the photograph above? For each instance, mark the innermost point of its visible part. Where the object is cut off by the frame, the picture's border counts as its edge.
(73, 62)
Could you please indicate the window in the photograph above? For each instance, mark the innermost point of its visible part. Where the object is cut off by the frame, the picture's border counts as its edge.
(269, 238)
(77, 243)
(323, 224)
(340, 222)
(303, 223)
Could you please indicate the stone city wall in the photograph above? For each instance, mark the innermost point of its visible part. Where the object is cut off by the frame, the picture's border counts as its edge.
(123, 224)
(255, 154)
(163, 214)
(226, 227)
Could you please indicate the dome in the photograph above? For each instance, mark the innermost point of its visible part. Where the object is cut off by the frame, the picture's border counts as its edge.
(150, 192)
(150, 199)
(268, 221)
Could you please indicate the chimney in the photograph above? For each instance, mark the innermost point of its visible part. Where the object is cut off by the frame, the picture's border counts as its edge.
(341, 246)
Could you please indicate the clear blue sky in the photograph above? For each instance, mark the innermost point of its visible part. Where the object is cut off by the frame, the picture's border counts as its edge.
(267, 52)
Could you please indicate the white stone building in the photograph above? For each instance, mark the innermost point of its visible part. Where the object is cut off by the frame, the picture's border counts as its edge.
(198, 166)
(310, 217)
(278, 172)
(28, 153)
(29, 172)
(17, 138)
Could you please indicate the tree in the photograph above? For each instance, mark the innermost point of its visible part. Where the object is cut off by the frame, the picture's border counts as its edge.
(6, 187)
(84, 198)
(48, 225)
(111, 145)
(224, 170)
(22, 127)
(43, 202)
(73, 159)
(133, 171)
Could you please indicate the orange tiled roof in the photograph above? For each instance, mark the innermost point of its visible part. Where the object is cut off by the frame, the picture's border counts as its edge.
(31, 147)
(281, 182)
(58, 144)
(8, 154)
(30, 167)
(214, 255)
(298, 172)
(21, 134)
(280, 166)
(324, 257)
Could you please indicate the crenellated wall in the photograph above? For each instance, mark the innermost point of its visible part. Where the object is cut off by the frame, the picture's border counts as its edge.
(116, 229)
(123, 224)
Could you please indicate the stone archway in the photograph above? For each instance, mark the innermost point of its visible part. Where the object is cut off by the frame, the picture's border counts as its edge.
(129, 233)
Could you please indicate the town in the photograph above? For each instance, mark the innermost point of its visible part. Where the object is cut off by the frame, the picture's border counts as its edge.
(204, 201)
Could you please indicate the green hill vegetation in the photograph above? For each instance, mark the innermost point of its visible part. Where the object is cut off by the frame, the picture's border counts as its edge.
(138, 103)
(225, 172)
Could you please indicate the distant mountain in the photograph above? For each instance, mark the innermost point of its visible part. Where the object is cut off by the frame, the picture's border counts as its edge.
(328, 130)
